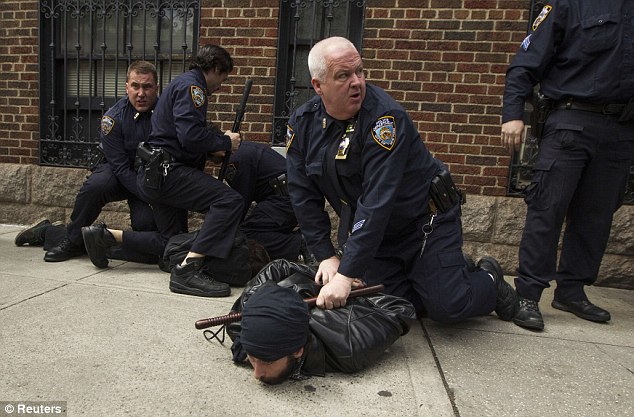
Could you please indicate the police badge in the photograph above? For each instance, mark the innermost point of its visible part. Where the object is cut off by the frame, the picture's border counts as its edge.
(290, 135)
(384, 132)
(107, 123)
(541, 17)
(344, 145)
(198, 95)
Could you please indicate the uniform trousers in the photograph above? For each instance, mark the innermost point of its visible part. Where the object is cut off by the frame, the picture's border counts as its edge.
(436, 281)
(187, 188)
(100, 188)
(580, 175)
(272, 223)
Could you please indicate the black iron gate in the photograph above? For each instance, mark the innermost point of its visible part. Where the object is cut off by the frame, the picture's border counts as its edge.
(86, 47)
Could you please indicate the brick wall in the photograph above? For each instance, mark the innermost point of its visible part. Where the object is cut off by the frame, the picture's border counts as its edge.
(443, 59)
(19, 86)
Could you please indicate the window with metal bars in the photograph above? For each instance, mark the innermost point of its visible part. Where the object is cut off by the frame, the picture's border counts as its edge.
(303, 23)
(86, 47)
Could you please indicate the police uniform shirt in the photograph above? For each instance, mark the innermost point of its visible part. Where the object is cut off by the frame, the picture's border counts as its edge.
(575, 48)
(382, 175)
(122, 128)
(179, 122)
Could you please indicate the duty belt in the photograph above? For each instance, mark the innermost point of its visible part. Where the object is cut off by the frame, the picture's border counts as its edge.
(613, 109)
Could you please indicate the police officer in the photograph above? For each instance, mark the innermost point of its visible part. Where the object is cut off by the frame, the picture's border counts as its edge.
(123, 126)
(581, 54)
(355, 146)
(173, 178)
(258, 173)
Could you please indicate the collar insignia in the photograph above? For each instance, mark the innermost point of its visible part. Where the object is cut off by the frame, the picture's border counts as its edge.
(198, 95)
(107, 123)
(384, 132)
(542, 16)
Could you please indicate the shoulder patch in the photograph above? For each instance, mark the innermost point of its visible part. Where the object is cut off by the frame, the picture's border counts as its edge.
(541, 17)
(290, 135)
(384, 132)
(198, 95)
(107, 123)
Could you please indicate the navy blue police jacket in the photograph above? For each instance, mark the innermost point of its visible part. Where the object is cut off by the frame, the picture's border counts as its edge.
(179, 123)
(250, 170)
(122, 128)
(383, 181)
(575, 48)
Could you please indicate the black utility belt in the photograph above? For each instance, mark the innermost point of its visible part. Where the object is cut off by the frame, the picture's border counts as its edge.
(625, 111)
(444, 193)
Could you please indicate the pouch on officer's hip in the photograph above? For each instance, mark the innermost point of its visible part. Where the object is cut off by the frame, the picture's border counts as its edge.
(443, 192)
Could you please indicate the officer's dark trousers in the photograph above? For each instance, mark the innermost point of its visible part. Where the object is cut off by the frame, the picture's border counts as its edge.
(580, 175)
(272, 223)
(101, 188)
(437, 282)
(191, 189)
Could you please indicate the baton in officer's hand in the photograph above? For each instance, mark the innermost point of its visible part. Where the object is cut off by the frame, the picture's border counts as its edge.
(236, 126)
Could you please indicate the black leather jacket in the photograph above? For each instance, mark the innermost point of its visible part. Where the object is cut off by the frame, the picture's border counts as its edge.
(346, 339)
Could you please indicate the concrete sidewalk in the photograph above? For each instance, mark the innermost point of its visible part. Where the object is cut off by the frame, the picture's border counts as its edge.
(117, 342)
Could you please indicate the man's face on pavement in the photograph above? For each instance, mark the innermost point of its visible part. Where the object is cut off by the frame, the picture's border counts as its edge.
(343, 89)
(142, 91)
(274, 372)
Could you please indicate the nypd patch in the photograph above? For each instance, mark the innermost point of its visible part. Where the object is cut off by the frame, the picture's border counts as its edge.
(542, 16)
(384, 132)
(290, 135)
(107, 123)
(198, 95)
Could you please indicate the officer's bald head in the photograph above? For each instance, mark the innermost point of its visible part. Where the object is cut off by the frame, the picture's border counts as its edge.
(322, 50)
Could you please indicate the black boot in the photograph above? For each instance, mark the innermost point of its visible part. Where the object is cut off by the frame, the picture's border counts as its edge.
(506, 302)
(528, 315)
(98, 240)
(193, 279)
(64, 251)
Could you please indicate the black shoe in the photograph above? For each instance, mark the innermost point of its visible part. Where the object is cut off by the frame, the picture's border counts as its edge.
(192, 279)
(98, 240)
(584, 309)
(33, 235)
(529, 315)
(506, 301)
(64, 251)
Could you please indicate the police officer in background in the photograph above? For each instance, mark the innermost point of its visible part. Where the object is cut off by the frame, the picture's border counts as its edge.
(258, 173)
(581, 54)
(353, 145)
(172, 177)
(123, 126)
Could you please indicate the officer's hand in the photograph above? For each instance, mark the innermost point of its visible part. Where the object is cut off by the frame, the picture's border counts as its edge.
(235, 140)
(512, 134)
(335, 293)
(327, 270)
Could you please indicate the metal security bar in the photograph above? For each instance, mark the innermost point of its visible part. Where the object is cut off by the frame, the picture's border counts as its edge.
(303, 23)
(86, 47)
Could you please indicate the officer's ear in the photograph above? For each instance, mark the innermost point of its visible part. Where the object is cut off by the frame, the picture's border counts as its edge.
(316, 86)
